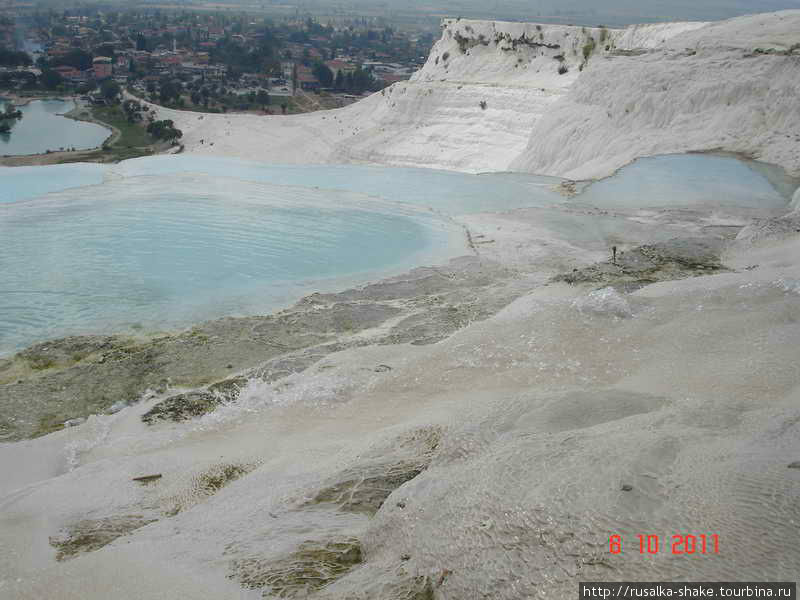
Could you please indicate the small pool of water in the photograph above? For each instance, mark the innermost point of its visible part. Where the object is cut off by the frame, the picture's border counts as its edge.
(693, 180)
(43, 128)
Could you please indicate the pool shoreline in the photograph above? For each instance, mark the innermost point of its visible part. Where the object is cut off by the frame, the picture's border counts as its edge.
(414, 304)
(41, 126)
(87, 155)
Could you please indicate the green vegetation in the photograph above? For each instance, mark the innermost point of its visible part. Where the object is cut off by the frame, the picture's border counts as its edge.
(164, 130)
(130, 140)
(13, 58)
(323, 73)
(130, 134)
(48, 424)
(109, 89)
(9, 115)
(588, 48)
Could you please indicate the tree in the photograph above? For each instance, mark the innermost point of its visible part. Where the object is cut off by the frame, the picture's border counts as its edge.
(12, 58)
(359, 81)
(105, 50)
(50, 79)
(133, 110)
(76, 58)
(324, 74)
(110, 89)
(169, 91)
(262, 97)
(164, 130)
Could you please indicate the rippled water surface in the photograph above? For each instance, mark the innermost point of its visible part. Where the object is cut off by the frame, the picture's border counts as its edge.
(166, 241)
(162, 251)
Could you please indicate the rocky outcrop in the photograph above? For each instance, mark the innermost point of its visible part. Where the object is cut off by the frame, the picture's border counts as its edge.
(311, 567)
(364, 488)
(92, 534)
(115, 371)
(774, 228)
(676, 259)
(426, 305)
(182, 407)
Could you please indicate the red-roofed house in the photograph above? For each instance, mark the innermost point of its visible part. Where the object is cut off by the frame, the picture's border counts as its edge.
(102, 67)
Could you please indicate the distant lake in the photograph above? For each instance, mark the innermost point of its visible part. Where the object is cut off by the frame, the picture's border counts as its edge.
(43, 128)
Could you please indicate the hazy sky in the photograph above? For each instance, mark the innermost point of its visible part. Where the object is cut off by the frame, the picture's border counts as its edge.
(579, 11)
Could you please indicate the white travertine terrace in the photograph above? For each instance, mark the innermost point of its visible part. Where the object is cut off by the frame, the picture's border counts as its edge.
(490, 98)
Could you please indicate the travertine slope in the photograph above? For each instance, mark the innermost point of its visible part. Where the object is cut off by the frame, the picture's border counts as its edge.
(558, 100)
(731, 85)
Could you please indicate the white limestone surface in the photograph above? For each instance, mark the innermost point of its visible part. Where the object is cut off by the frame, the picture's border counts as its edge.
(490, 98)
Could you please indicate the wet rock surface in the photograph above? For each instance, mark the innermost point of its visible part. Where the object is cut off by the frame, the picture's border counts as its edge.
(364, 488)
(182, 407)
(68, 351)
(421, 307)
(205, 484)
(437, 323)
(675, 259)
(114, 370)
(311, 567)
(89, 535)
(386, 582)
(777, 227)
(93, 534)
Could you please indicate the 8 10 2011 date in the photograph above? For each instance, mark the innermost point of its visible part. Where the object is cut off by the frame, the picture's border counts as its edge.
(678, 544)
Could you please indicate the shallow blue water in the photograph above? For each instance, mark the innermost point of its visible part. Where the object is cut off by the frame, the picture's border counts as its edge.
(690, 180)
(43, 128)
(447, 191)
(21, 183)
(162, 242)
(165, 251)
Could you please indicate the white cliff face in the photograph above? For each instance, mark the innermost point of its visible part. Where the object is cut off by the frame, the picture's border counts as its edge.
(652, 36)
(565, 101)
(703, 90)
(473, 105)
